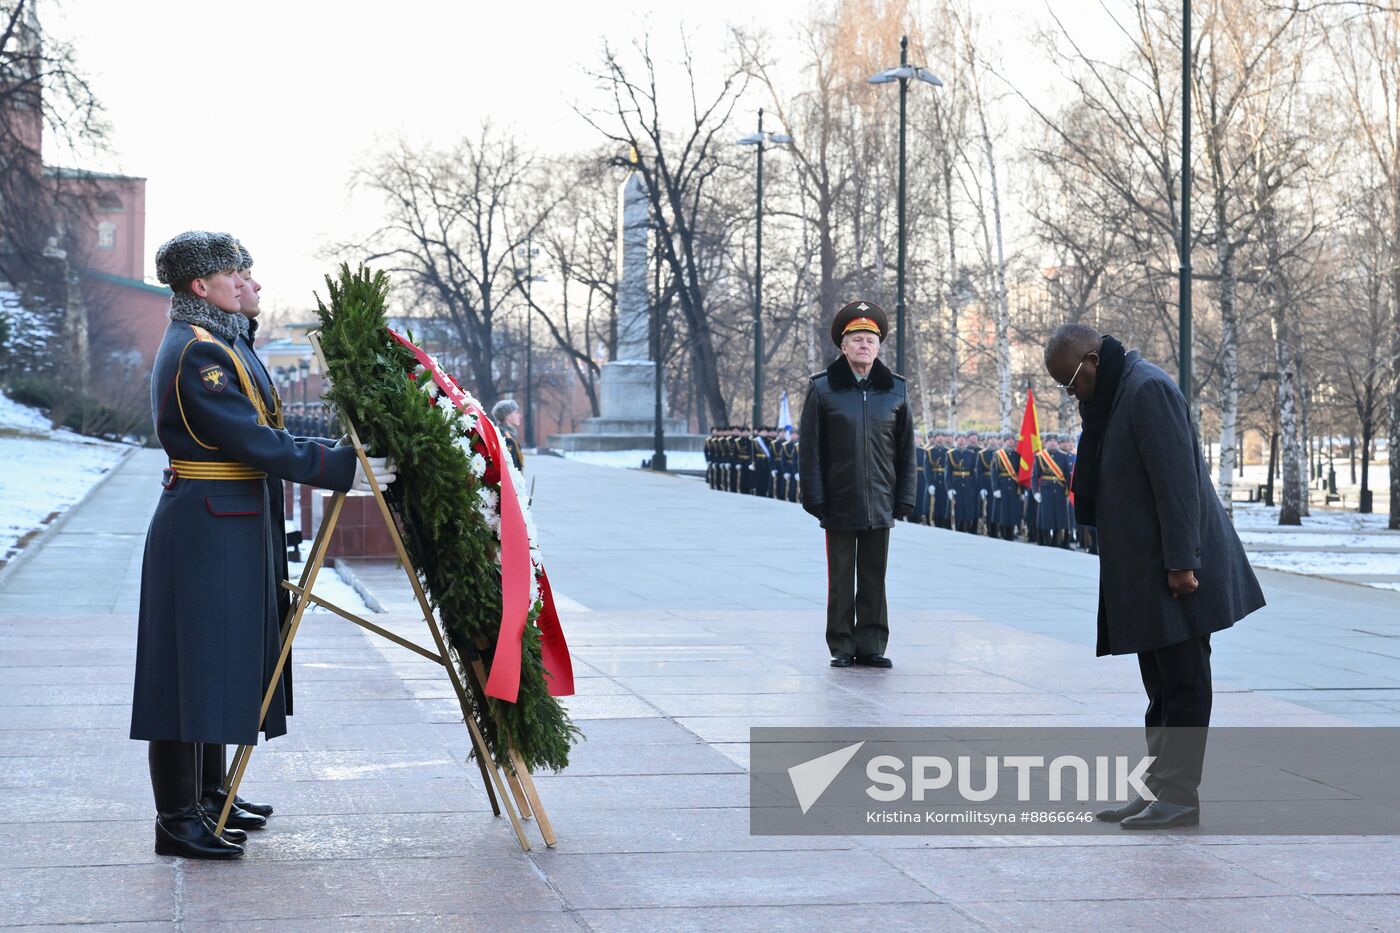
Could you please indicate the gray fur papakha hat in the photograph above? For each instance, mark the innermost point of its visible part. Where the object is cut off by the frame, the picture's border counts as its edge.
(245, 258)
(196, 253)
(504, 409)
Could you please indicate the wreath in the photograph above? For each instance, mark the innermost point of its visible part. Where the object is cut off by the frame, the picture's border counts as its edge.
(465, 518)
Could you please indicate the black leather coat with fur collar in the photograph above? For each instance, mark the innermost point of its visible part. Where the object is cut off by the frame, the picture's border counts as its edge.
(857, 448)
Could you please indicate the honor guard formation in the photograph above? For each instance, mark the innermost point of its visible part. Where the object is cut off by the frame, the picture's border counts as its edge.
(967, 481)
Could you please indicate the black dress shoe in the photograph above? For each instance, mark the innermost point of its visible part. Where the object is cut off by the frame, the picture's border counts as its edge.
(1162, 815)
(1119, 814)
(874, 660)
(843, 660)
(187, 834)
(238, 818)
(261, 809)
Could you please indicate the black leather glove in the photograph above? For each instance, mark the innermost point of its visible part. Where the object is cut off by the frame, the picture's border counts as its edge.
(815, 509)
(903, 511)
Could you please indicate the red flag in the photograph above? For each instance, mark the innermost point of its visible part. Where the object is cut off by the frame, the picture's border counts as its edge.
(1028, 440)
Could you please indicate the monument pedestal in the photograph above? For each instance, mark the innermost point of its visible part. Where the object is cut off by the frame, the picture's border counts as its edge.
(627, 397)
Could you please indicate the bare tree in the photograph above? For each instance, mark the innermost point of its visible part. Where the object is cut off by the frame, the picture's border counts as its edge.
(676, 170)
(454, 223)
(41, 93)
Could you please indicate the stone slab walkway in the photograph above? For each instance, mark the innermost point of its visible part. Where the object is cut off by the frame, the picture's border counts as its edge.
(692, 615)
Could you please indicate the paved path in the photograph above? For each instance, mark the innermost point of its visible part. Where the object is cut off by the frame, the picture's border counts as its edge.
(693, 615)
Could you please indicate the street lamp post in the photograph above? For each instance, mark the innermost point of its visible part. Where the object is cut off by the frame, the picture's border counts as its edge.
(902, 74)
(658, 451)
(530, 279)
(759, 139)
(1184, 286)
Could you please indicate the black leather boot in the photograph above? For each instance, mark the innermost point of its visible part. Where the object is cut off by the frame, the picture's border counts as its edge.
(238, 818)
(180, 826)
(213, 771)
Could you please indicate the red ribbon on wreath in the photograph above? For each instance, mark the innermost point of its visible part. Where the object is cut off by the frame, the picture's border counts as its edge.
(503, 683)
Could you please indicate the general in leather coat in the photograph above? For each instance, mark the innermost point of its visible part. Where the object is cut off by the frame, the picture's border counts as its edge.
(857, 451)
(1157, 511)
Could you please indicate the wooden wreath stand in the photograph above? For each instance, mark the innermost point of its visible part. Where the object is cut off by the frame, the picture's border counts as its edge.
(523, 800)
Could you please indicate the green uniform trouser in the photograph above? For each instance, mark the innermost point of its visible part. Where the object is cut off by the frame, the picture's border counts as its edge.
(857, 619)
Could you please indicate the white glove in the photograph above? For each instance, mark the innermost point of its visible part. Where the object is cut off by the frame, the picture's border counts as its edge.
(984, 494)
(952, 494)
(750, 466)
(931, 490)
(1037, 497)
(997, 494)
(385, 472)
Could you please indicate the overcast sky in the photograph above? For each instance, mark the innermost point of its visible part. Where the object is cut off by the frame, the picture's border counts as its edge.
(252, 116)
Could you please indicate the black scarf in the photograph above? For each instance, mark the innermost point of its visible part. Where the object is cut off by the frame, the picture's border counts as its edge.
(1095, 411)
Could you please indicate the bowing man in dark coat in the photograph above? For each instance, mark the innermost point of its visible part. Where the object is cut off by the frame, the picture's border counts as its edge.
(857, 468)
(1171, 569)
(208, 633)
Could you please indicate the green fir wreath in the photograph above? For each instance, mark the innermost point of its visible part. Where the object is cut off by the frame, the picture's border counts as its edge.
(442, 507)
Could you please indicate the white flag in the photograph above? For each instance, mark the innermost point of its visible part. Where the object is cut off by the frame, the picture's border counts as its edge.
(784, 413)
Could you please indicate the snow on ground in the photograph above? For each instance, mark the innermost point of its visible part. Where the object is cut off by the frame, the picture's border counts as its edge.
(1256, 517)
(1329, 563)
(43, 471)
(330, 587)
(675, 459)
(1321, 539)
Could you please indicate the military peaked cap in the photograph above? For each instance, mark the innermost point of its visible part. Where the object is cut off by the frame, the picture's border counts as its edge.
(858, 316)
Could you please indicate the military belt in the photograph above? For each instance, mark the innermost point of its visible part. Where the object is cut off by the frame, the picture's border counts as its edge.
(195, 469)
(962, 472)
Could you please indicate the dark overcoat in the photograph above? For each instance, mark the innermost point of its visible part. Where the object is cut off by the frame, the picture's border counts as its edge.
(1157, 511)
(209, 629)
(857, 453)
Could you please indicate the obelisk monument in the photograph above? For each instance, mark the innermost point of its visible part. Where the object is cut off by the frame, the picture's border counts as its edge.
(627, 384)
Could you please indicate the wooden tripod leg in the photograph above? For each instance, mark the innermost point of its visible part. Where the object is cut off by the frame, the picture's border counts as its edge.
(489, 772)
(522, 783)
(308, 580)
(476, 678)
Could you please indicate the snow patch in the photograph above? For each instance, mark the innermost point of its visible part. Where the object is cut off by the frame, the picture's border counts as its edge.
(331, 587)
(45, 471)
(632, 459)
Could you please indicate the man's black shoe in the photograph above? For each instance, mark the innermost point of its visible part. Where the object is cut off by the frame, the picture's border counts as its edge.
(843, 660)
(1162, 815)
(238, 818)
(237, 836)
(1119, 814)
(187, 834)
(874, 660)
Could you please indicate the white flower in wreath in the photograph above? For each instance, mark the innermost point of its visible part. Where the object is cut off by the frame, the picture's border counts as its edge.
(478, 462)
(430, 388)
(446, 405)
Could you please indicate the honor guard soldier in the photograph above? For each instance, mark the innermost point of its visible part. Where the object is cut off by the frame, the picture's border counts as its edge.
(986, 460)
(761, 466)
(938, 480)
(1006, 490)
(709, 449)
(921, 483)
(960, 477)
(507, 416)
(208, 632)
(1050, 481)
(794, 466)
